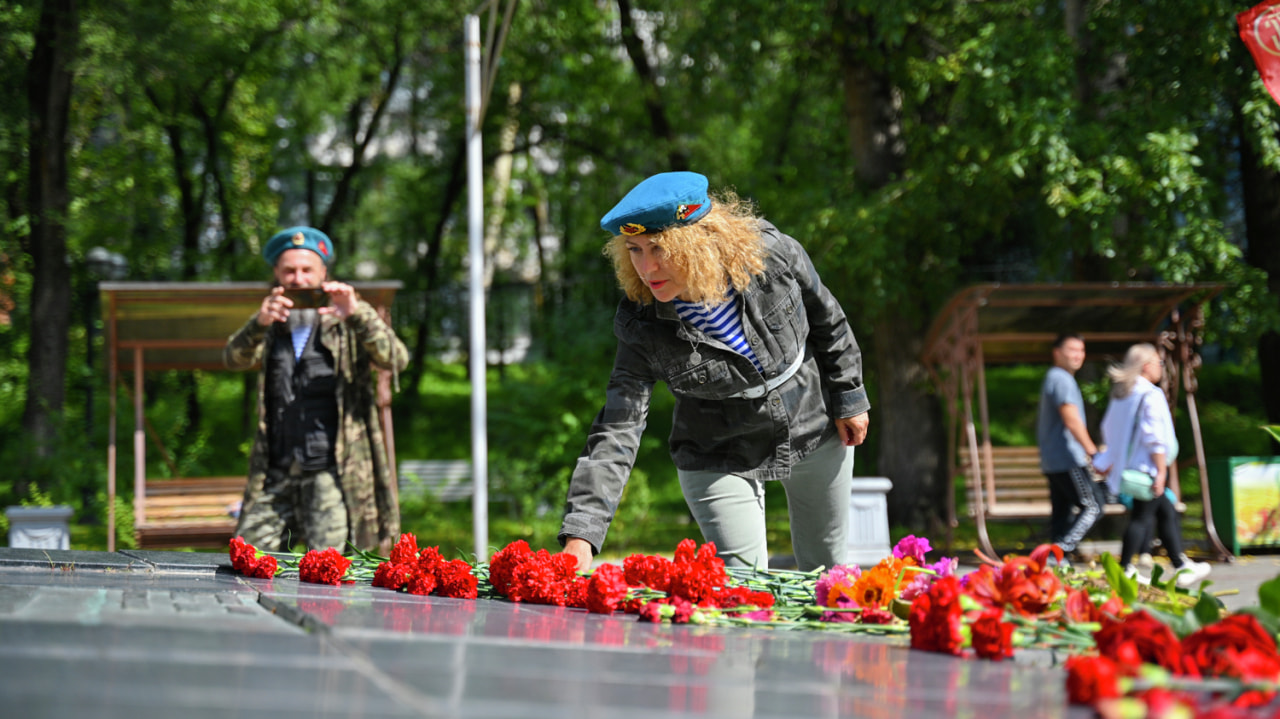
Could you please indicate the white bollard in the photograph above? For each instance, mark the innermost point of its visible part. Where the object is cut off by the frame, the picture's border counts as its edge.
(39, 527)
(868, 529)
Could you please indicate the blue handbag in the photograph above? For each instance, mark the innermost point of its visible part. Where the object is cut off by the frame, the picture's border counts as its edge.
(1137, 484)
(1133, 482)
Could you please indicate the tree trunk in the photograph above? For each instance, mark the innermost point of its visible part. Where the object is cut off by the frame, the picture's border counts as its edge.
(874, 126)
(213, 170)
(657, 110)
(502, 166)
(360, 144)
(907, 415)
(1262, 226)
(429, 266)
(49, 85)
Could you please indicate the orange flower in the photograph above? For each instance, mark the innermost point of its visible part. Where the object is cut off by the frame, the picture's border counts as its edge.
(877, 586)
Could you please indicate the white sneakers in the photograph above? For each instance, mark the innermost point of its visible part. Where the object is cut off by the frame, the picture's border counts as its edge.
(1145, 561)
(1187, 576)
(1191, 573)
(1131, 572)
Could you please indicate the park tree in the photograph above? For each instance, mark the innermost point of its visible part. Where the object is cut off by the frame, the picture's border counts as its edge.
(913, 149)
(50, 75)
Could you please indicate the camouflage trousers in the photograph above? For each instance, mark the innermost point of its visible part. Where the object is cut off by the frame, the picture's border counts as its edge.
(296, 507)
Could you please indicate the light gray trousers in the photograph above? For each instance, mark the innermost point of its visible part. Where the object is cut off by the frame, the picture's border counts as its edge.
(730, 510)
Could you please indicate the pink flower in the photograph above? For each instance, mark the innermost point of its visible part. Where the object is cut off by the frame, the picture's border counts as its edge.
(944, 567)
(918, 585)
(651, 612)
(835, 584)
(912, 546)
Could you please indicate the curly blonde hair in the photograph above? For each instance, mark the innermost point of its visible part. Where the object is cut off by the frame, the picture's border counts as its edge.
(722, 250)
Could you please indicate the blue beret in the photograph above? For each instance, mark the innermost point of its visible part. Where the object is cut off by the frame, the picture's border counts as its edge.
(659, 202)
(298, 238)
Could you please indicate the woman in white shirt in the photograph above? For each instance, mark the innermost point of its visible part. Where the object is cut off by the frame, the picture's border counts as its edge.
(1138, 432)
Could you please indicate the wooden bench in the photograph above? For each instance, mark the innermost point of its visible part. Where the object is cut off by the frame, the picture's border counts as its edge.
(1017, 489)
(194, 512)
(447, 480)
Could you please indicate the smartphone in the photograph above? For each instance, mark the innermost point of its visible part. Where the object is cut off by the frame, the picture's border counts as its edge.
(308, 298)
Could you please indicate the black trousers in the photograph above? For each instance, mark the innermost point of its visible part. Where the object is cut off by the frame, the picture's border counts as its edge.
(1076, 505)
(1158, 515)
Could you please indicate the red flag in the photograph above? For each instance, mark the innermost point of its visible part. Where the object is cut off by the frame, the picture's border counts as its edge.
(1260, 30)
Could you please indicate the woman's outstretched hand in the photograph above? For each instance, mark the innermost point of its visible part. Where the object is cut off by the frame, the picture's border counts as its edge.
(581, 550)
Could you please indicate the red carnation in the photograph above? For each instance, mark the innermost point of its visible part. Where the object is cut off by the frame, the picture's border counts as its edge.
(697, 575)
(935, 618)
(648, 571)
(1091, 678)
(264, 568)
(1140, 638)
(503, 564)
(607, 589)
(685, 550)
(392, 576)
(1238, 647)
(1211, 648)
(992, 638)
(243, 555)
(325, 567)
(733, 597)
(245, 560)
(405, 551)
(456, 580)
(422, 583)
(872, 616)
(576, 593)
(430, 560)
(534, 580)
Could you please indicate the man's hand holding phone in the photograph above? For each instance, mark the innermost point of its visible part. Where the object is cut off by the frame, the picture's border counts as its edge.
(331, 298)
(342, 300)
(307, 297)
(275, 307)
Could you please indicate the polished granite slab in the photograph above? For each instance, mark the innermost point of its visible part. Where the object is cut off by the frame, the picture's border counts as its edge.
(141, 635)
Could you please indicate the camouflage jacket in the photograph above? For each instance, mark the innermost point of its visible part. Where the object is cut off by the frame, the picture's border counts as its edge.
(358, 344)
(787, 313)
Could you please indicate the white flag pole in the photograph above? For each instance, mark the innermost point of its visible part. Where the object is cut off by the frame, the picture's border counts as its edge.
(475, 244)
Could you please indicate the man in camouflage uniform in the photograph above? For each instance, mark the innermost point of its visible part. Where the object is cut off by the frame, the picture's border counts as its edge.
(318, 471)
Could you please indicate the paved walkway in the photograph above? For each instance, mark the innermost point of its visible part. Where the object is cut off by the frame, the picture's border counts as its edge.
(137, 635)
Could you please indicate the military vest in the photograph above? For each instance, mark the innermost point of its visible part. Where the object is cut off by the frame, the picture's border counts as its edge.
(302, 402)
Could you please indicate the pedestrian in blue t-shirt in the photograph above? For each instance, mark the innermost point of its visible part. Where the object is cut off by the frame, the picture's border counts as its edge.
(1065, 447)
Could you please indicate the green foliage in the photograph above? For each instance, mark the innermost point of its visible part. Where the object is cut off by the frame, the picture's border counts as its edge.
(197, 129)
(1273, 430)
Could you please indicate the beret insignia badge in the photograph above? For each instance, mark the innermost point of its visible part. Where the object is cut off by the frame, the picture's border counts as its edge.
(630, 229)
(683, 211)
(298, 239)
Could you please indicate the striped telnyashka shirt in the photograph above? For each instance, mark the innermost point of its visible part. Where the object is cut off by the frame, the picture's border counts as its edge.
(723, 322)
